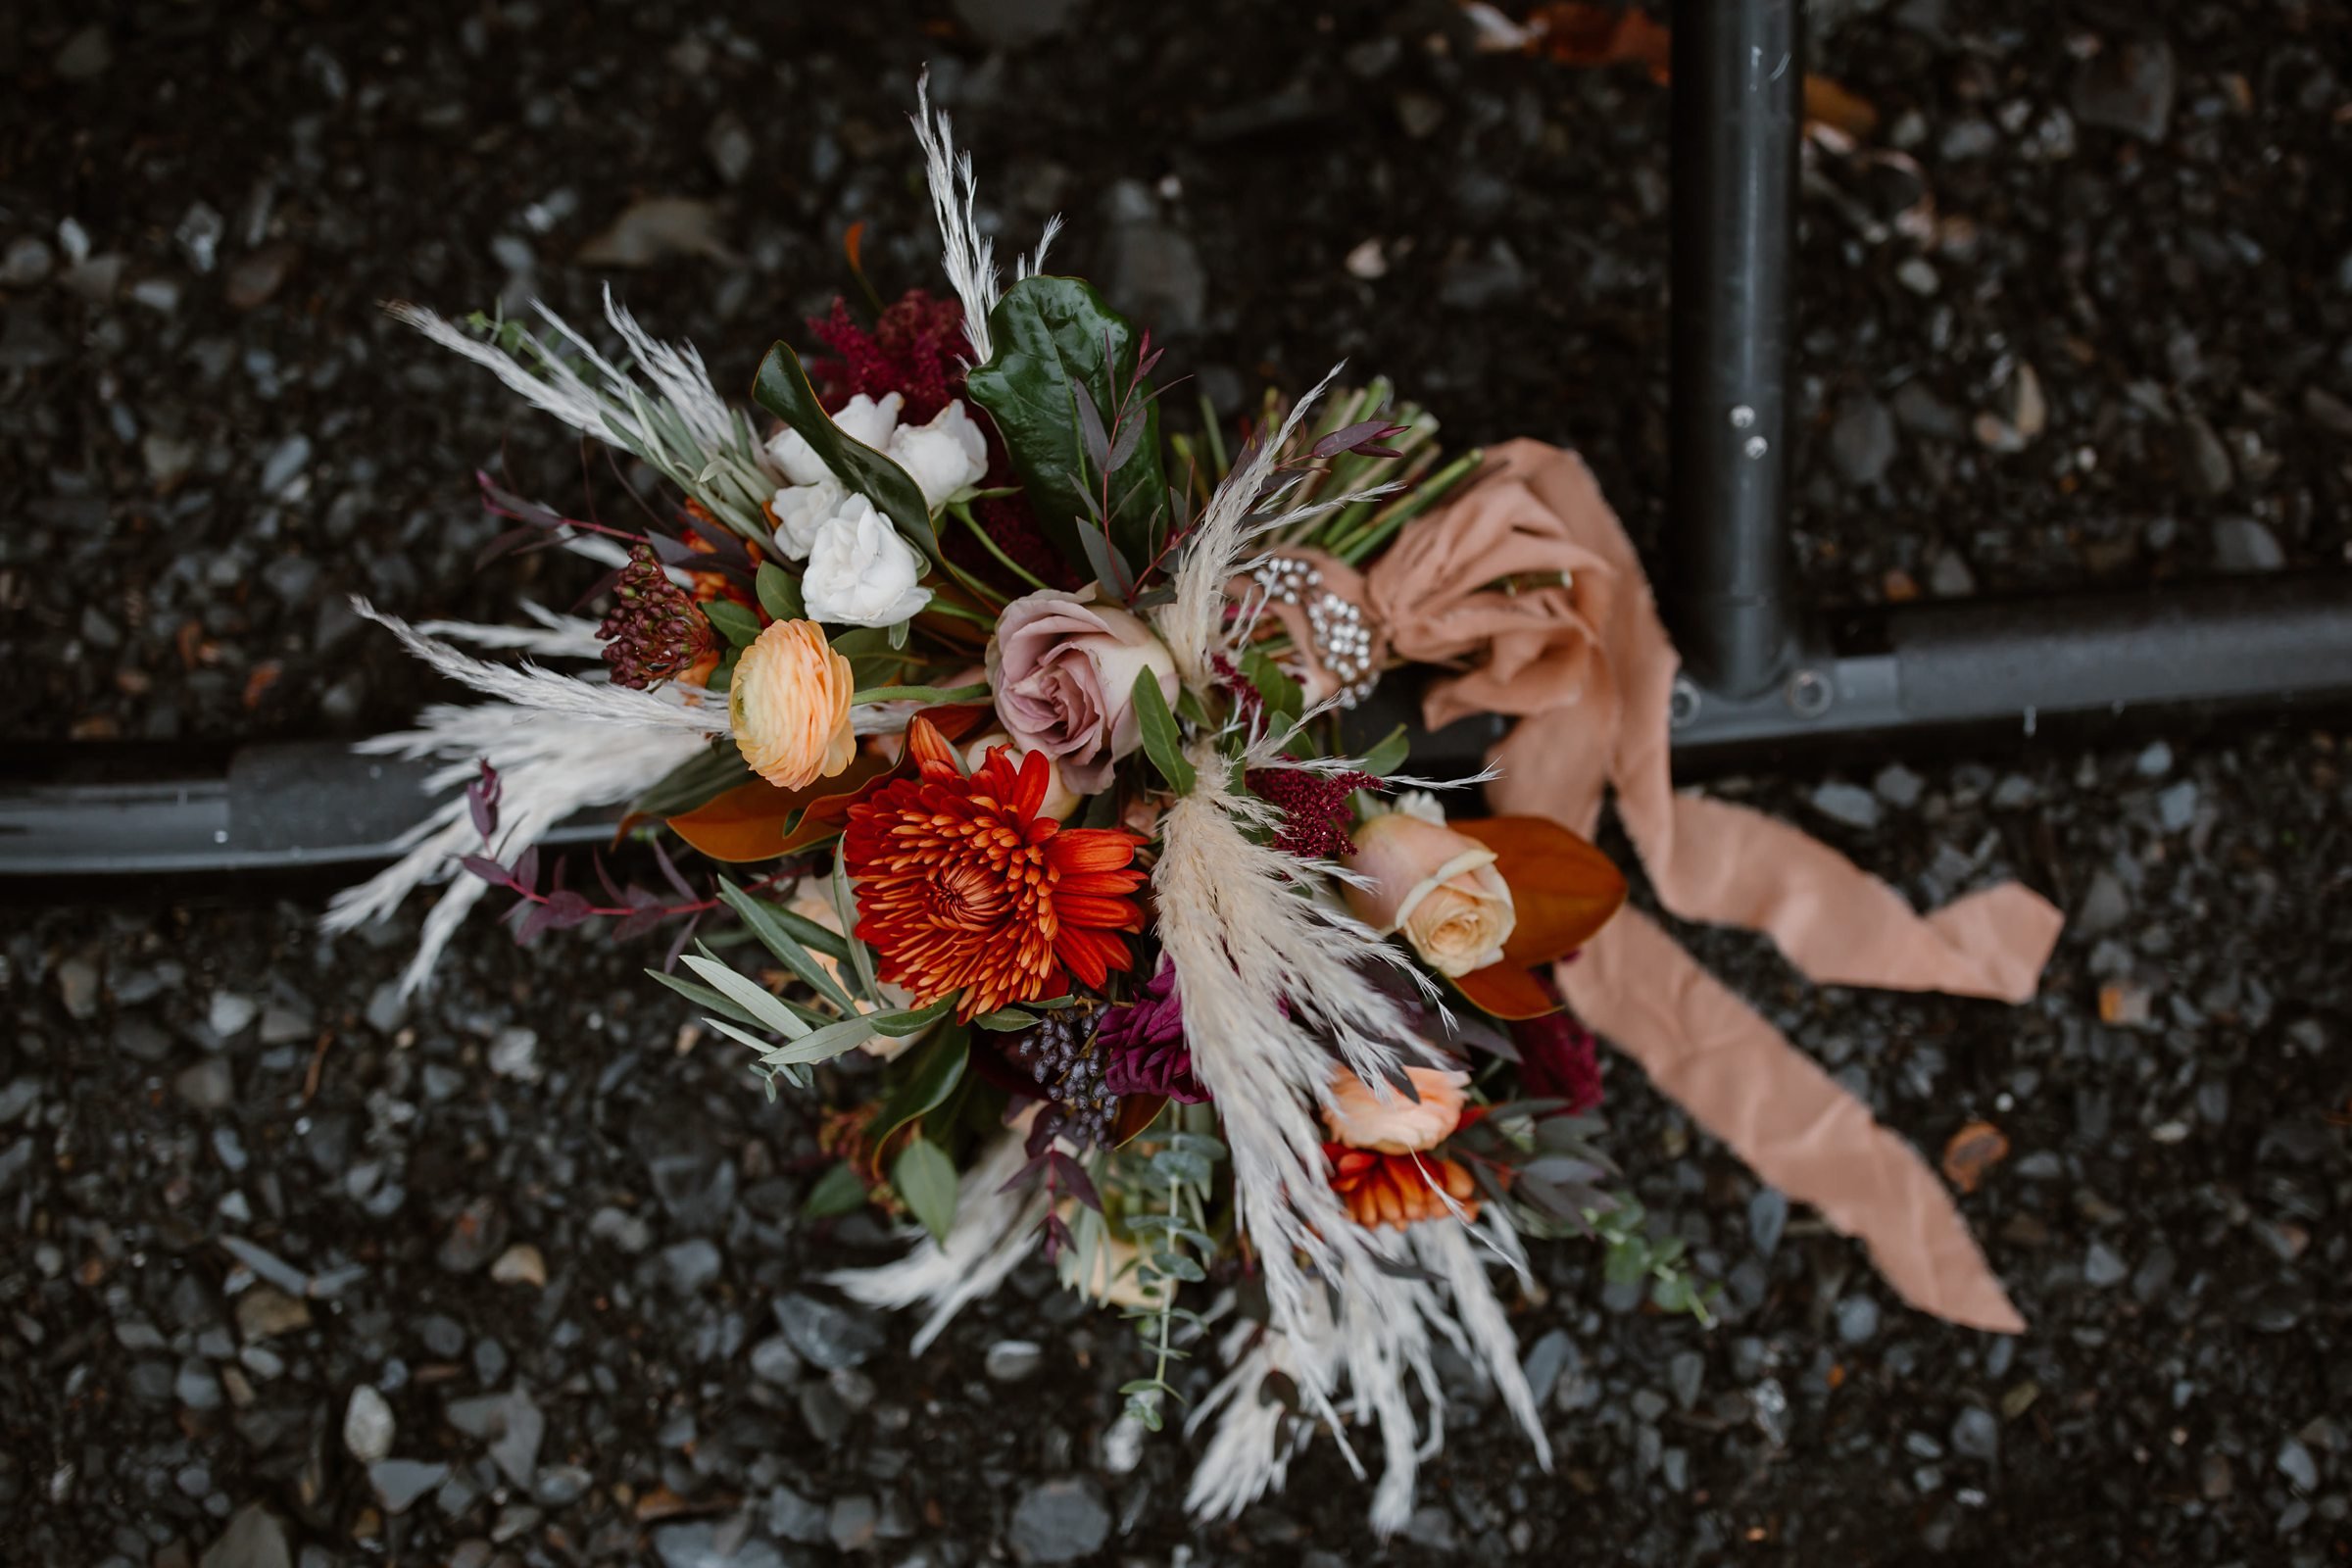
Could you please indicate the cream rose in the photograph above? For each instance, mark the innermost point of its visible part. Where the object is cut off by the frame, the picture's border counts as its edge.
(1360, 1117)
(861, 573)
(1064, 670)
(947, 454)
(789, 706)
(1437, 886)
(862, 420)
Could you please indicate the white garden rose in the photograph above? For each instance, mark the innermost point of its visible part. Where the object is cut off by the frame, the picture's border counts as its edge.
(862, 420)
(861, 573)
(947, 454)
(801, 509)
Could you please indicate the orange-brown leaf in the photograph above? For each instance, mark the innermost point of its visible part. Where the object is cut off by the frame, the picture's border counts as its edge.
(1562, 889)
(1507, 989)
(1973, 1151)
(759, 821)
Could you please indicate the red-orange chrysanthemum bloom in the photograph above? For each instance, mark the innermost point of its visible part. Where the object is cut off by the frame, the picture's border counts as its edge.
(963, 885)
(1399, 1190)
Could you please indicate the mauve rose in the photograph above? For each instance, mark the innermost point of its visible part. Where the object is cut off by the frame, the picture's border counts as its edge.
(1063, 669)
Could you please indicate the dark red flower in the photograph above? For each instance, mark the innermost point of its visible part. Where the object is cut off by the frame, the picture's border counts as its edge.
(1558, 1059)
(1143, 1051)
(1315, 811)
(653, 631)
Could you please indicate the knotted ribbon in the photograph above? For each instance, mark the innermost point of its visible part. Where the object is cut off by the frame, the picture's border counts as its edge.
(1590, 657)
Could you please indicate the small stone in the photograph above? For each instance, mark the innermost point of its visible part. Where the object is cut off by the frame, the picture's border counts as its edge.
(1976, 1434)
(26, 262)
(773, 1360)
(514, 1053)
(1547, 1361)
(2102, 1267)
(285, 464)
(199, 235)
(77, 988)
(2241, 543)
(520, 1264)
(2295, 1462)
(198, 1386)
(1862, 440)
(1685, 1374)
(692, 1265)
(229, 1014)
(2176, 807)
(254, 1539)
(2128, 88)
(2209, 470)
(1122, 1447)
(731, 148)
(1011, 1361)
(398, 1483)
(794, 1517)
(1014, 24)
(850, 1523)
(2105, 904)
(1898, 786)
(1850, 804)
(263, 1312)
(368, 1426)
(1767, 1218)
(1431, 1527)
(85, 57)
(828, 1337)
(1949, 577)
(1060, 1521)
(1481, 281)
(2155, 762)
(1369, 261)
(209, 1085)
(1857, 1319)
(474, 1237)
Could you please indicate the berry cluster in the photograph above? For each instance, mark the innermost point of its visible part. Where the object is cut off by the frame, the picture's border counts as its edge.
(1061, 1057)
(653, 631)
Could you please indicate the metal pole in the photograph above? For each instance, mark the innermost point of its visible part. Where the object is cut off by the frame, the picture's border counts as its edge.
(1738, 101)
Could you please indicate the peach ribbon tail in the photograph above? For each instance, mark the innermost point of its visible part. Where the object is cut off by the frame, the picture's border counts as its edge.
(1713, 861)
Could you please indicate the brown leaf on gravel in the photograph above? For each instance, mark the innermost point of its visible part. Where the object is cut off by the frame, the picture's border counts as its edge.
(1973, 1151)
(657, 228)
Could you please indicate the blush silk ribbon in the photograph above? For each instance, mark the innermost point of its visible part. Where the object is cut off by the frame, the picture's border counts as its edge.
(1593, 660)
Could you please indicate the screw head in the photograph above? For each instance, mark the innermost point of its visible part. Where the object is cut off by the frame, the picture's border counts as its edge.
(1809, 694)
(1682, 706)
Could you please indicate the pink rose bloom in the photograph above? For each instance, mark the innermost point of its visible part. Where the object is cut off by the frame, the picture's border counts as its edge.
(1063, 669)
(1360, 1118)
(1437, 886)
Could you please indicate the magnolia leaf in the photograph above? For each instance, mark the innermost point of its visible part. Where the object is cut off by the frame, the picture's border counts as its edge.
(1053, 336)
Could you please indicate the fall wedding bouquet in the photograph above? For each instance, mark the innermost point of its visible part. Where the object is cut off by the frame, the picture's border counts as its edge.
(993, 742)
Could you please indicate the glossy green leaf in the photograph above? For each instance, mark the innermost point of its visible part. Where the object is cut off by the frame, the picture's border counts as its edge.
(926, 1179)
(1052, 336)
(839, 1190)
(783, 390)
(779, 593)
(738, 625)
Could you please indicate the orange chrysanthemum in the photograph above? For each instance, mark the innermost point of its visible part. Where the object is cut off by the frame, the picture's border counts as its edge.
(1399, 1190)
(964, 884)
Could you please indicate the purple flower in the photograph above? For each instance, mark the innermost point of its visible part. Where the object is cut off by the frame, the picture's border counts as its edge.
(1558, 1059)
(1142, 1043)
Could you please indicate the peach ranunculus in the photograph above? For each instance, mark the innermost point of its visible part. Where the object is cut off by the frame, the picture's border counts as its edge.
(790, 706)
(1362, 1117)
(1437, 886)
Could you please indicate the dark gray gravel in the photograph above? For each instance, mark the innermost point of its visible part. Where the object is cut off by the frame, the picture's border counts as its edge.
(243, 1182)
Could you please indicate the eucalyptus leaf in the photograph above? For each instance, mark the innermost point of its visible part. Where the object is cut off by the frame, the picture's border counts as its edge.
(763, 918)
(747, 994)
(703, 996)
(1163, 742)
(1053, 336)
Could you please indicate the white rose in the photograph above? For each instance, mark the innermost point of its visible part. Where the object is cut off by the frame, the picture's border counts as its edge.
(861, 573)
(943, 456)
(862, 420)
(801, 509)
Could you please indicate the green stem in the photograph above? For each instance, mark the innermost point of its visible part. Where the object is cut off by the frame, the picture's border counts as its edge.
(1003, 559)
(919, 693)
(1354, 548)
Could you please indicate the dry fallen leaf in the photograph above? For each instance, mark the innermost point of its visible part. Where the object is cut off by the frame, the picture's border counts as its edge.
(656, 230)
(1973, 1151)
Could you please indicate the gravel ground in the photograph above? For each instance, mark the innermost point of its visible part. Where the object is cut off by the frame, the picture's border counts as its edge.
(528, 1287)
